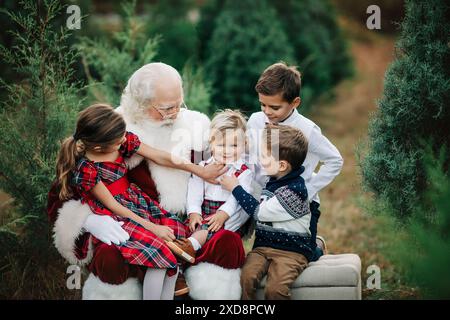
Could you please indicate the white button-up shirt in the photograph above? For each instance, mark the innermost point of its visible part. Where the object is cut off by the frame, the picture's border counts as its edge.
(320, 149)
(199, 190)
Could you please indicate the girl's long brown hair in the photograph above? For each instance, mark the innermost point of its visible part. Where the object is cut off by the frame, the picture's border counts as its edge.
(97, 125)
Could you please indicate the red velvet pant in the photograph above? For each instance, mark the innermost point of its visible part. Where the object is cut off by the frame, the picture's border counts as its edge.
(224, 249)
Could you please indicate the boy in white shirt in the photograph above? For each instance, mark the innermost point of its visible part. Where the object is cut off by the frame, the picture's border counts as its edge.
(278, 91)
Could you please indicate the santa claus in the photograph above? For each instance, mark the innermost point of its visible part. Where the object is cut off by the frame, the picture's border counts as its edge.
(153, 108)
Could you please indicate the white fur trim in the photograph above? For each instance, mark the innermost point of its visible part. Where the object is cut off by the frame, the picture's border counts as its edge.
(68, 227)
(189, 131)
(210, 282)
(95, 289)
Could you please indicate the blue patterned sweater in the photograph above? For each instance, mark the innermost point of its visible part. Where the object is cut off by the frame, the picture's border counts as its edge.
(282, 216)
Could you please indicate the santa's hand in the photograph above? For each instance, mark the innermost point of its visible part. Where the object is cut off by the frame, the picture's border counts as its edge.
(106, 229)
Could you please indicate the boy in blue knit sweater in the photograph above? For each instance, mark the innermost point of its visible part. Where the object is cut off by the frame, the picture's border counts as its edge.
(282, 247)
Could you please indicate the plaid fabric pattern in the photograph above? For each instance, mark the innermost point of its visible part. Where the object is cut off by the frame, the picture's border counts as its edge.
(143, 247)
(210, 207)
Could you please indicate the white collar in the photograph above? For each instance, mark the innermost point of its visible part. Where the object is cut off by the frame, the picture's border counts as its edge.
(289, 120)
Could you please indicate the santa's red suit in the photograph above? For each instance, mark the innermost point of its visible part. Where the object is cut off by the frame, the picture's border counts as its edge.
(216, 273)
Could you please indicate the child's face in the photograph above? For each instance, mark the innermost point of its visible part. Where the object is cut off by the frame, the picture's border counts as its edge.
(276, 108)
(271, 166)
(227, 147)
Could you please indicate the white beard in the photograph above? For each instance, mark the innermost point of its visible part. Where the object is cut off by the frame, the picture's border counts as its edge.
(189, 131)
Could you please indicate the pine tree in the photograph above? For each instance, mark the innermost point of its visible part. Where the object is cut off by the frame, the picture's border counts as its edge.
(320, 49)
(421, 252)
(170, 19)
(413, 108)
(209, 12)
(247, 38)
(109, 64)
(197, 90)
(38, 112)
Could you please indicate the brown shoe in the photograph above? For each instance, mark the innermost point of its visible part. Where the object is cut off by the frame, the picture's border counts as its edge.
(181, 287)
(322, 244)
(182, 248)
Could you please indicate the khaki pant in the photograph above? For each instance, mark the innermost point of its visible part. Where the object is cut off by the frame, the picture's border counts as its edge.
(282, 268)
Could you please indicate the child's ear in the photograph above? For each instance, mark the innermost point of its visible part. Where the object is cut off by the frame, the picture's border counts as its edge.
(283, 165)
(296, 102)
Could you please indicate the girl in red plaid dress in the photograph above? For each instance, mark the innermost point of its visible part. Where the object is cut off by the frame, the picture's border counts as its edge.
(209, 206)
(91, 164)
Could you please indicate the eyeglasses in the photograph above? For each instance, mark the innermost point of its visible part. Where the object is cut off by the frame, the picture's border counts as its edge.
(167, 112)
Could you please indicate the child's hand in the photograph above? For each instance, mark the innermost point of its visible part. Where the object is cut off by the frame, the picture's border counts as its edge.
(194, 220)
(211, 172)
(229, 182)
(217, 220)
(163, 232)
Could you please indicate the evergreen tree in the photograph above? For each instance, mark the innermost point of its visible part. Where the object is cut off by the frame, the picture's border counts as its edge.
(413, 108)
(209, 12)
(109, 64)
(170, 19)
(420, 249)
(197, 91)
(320, 49)
(247, 38)
(38, 112)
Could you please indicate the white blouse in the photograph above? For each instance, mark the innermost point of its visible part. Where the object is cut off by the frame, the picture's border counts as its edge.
(199, 190)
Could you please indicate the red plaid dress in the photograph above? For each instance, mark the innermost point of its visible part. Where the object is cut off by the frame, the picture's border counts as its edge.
(143, 247)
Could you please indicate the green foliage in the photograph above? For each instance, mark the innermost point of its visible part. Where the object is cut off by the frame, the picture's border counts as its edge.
(237, 53)
(38, 112)
(197, 91)
(420, 246)
(412, 108)
(206, 26)
(319, 47)
(320, 50)
(170, 19)
(109, 64)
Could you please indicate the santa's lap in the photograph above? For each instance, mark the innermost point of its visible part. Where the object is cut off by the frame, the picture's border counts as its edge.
(224, 249)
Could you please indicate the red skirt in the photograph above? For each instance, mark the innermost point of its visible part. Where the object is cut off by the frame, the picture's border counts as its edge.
(143, 247)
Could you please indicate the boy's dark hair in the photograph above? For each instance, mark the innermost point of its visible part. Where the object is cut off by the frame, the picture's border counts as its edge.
(280, 78)
(291, 144)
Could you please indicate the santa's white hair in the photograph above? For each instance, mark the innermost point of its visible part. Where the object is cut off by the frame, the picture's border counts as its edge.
(140, 89)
